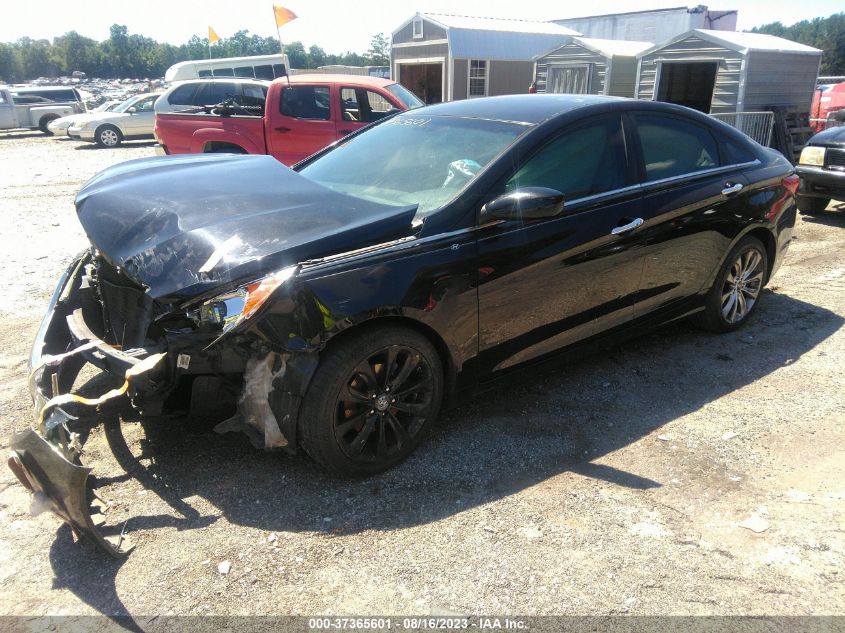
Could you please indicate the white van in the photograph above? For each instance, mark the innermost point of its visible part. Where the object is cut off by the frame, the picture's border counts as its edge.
(267, 67)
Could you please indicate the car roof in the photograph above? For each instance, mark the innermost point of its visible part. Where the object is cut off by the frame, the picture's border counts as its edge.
(325, 78)
(526, 108)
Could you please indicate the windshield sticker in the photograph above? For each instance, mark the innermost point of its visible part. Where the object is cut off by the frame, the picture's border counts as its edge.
(415, 121)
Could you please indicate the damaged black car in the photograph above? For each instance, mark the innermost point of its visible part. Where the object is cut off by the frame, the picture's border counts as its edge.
(345, 300)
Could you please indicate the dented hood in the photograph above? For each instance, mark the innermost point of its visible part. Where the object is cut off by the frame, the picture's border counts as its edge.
(165, 221)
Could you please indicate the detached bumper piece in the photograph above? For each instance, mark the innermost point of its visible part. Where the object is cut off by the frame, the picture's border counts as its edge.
(46, 458)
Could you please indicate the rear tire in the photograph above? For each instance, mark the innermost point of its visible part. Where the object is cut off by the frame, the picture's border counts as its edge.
(44, 122)
(371, 401)
(108, 136)
(807, 204)
(738, 288)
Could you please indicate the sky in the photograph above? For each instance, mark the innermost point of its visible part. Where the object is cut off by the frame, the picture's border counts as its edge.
(336, 26)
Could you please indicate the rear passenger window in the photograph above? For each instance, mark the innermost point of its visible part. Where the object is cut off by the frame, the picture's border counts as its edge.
(223, 72)
(183, 95)
(215, 92)
(736, 154)
(581, 162)
(279, 70)
(306, 102)
(244, 71)
(254, 97)
(672, 147)
(204, 74)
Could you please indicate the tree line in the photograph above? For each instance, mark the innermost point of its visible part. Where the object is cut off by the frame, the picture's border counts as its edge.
(136, 56)
(827, 34)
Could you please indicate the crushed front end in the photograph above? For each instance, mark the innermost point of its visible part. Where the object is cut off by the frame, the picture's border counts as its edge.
(99, 315)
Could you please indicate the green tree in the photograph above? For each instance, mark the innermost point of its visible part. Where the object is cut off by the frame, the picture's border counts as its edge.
(316, 57)
(379, 51)
(297, 56)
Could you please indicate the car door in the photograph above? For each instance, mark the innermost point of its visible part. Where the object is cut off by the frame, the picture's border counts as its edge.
(686, 190)
(549, 283)
(361, 106)
(8, 118)
(303, 122)
(142, 120)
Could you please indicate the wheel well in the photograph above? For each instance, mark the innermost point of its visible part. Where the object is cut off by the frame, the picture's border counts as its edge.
(434, 338)
(765, 236)
(220, 146)
(47, 118)
(109, 125)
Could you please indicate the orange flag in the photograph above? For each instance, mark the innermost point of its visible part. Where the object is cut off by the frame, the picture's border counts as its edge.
(212, 36)
(283, 16)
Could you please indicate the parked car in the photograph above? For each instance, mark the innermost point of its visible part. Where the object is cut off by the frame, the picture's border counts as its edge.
(828, 100)
(288, 118)
(341, 302)
(29, 111)
(110, 129)
(821, 167)
(59, 127)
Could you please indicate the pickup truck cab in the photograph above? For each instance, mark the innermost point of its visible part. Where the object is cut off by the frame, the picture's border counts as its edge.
(299, 116)
(822, 171)
(28, 108)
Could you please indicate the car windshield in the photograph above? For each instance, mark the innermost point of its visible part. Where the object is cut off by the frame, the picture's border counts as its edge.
(407, 160)
(108, 106)
(405, 96)
(123, 107)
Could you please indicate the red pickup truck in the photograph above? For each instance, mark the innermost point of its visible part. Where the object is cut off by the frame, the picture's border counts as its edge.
(297, 116)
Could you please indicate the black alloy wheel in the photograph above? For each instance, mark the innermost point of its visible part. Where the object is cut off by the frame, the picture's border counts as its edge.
(371, 401)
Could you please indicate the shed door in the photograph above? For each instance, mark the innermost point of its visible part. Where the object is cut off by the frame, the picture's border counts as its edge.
(570, 79)
(688, 84)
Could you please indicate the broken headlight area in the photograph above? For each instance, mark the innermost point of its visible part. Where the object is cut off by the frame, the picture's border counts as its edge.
(98, 315)
(231, 309)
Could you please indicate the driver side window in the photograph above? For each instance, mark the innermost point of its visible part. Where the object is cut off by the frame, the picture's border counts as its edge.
(584, 161)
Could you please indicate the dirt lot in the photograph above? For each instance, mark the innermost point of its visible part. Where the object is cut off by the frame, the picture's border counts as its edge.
(613, 486)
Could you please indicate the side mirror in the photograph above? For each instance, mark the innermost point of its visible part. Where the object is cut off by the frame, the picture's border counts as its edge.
(527, 203)
(132, 110)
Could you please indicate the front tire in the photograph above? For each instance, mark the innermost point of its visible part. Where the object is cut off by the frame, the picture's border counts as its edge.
(108, 136)
(44, 122)
(807, 204)
(371, 400)
(736, 292)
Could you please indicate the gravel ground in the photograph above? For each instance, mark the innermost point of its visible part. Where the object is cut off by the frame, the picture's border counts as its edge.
(614, 485)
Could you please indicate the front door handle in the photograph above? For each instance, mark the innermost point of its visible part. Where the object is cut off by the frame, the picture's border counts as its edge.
(282, 128)
(731, 188)
(626, 228)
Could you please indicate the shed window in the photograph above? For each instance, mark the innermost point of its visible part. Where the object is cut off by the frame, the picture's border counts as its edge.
(418, 28)
(573, 79)
(477, 78)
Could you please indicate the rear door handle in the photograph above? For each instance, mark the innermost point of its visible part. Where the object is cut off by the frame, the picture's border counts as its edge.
(731, 188)
(626, 228)
(282, 128)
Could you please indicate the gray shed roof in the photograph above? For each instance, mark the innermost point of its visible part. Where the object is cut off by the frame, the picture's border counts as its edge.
(741, 42)
(497, 38)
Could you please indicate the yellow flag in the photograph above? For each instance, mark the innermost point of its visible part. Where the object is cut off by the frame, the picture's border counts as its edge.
(283, 16)
(212, 36)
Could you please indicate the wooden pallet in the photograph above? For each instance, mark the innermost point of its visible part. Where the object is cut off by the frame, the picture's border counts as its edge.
(791, 132)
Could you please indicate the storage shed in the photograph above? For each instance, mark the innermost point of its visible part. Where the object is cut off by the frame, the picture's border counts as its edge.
(724, 72)
(441, 57)
(590, 66)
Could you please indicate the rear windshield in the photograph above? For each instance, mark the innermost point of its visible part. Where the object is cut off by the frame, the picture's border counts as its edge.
(61, 95)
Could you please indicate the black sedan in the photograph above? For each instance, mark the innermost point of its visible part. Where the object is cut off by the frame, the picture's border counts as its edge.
(342, 302)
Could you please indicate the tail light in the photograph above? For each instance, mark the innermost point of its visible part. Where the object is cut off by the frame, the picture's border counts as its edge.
(791, 182)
